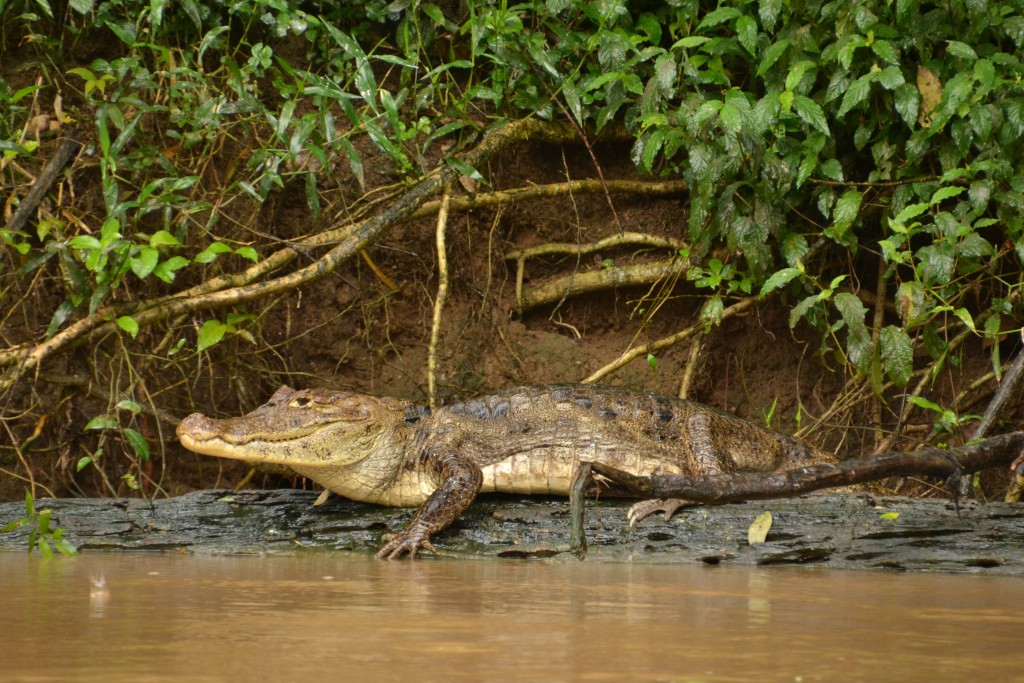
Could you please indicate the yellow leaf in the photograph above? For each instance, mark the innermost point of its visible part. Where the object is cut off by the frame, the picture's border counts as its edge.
(758, 531)
(889, 515)
(930, 87)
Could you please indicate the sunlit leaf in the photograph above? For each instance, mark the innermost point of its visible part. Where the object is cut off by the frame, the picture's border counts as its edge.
(129, 325)
(143, 263)
(211, 332)
(211, 252)
(248, 253)
(102, 422)
(779, 278)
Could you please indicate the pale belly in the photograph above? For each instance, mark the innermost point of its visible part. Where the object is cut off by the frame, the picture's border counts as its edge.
(535, 472)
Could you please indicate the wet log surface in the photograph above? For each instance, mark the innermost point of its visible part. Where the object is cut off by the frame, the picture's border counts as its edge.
(832, 530)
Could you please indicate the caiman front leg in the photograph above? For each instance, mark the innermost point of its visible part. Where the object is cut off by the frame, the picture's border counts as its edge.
(460, 482)
(704, 458)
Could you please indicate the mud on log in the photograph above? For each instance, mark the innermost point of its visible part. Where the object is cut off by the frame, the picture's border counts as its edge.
(833, 530)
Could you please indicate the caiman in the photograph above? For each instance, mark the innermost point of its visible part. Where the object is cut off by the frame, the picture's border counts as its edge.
(526, 440)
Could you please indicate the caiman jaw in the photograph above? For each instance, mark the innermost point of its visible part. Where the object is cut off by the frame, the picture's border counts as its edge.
(208, 436)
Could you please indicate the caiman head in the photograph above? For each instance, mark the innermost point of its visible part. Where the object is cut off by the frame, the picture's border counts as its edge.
(308, 428)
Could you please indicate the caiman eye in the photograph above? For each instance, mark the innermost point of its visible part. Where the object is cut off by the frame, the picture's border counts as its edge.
(300, 402)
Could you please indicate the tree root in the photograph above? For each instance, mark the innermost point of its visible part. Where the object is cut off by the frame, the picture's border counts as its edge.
(244, 287)
(442, 295)
(590, 281)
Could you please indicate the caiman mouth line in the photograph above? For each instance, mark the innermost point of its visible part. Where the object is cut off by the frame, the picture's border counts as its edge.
(246, 440)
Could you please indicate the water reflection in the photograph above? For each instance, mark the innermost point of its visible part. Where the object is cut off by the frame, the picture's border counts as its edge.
(164, 617)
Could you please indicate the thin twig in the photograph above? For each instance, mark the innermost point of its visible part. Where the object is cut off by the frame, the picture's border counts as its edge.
(442, 294)
(666, 342)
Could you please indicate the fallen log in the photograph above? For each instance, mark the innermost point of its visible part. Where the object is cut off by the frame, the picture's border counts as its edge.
(829, 530)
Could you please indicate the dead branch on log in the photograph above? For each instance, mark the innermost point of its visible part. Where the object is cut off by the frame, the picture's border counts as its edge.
(64, 153)
(998, 451)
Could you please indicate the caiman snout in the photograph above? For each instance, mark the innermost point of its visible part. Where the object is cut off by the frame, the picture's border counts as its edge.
(195, 429)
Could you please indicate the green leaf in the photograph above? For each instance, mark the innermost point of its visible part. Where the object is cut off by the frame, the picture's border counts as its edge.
(922, 402)
(891, 78)
(832, 169)
(779, 278)
(965, 317)
(718, 16)
(166, 269)
(810, 112)
(944, 193)
(162, 238)
(802, 309)
(211, 252)
(897, 354)
(83, 462)
(858, 345)
(102, 422)
(885, 50)
(81, 71)
(769, 11)
(772, 55)
(962, 50)
(797, 71)
(907, 101)
(855, 94)
(690, 42)
(985, 73)
(910, 211)
(355, 162)
(211, 333)
(731, 117)
(143, 263)
(888, 515)
(84, 242)
(129, 325)
(138, 443)
(845, 213)
(60, 316)
(652, 361)
(937, 262)
(746, 32)
(129, 405)
(248, 253)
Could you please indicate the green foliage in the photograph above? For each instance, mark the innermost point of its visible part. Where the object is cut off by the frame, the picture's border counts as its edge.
(42, 534)
(110, 424)
(891, 128)
(946, 420)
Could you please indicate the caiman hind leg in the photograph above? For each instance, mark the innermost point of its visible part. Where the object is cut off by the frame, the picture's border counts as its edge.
(460, 482)
(704, 458)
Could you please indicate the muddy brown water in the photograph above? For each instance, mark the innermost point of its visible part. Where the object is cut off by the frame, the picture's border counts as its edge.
(164, 617)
